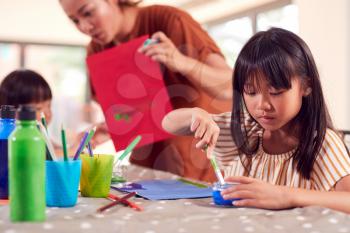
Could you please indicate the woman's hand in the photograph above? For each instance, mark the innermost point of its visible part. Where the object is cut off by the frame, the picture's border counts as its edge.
(204, 129)
(257, 193)
(164, 51)
(212, 74)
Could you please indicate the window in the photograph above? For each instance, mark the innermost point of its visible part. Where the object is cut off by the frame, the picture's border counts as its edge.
(63, 67)
(232, 34)
(285, 17)
(9, 58)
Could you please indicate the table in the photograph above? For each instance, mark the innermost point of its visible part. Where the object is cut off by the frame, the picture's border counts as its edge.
(180, 216)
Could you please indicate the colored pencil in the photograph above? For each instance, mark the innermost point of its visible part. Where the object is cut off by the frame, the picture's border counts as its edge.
(85, 140)
(126, 202)
(127, 196)
(43, 121)
(90, 150)
(80, 147)
(64, 143)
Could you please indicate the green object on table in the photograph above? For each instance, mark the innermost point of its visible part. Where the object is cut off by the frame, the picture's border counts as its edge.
(96, 175)
(27, 169)
(199, 185)
(118, 179)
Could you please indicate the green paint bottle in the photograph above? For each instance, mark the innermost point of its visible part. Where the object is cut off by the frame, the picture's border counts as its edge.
(27, 169)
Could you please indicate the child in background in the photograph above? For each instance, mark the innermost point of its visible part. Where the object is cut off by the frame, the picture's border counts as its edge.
(27, 87)
(278, 142)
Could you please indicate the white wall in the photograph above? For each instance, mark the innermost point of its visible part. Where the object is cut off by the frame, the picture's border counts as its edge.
(38, 21)
(325, 26)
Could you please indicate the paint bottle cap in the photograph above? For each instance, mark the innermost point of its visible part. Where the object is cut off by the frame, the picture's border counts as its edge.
(7, 111)
(26, 113)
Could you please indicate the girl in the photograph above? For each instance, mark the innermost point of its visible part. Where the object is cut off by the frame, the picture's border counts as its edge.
(194, 69)
(278, 142)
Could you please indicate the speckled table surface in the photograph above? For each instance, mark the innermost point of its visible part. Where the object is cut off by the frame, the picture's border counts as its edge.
(186, 215)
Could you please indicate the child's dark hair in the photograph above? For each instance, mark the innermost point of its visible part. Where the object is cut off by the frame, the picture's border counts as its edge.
(24, 87)
(279, 55)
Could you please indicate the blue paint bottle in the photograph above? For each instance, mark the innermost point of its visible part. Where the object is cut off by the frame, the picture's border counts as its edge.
(217, 197)
(7, 125)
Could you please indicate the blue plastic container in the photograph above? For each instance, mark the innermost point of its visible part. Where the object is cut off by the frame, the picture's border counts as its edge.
(218, 199)
(7, 125)
(62, 182)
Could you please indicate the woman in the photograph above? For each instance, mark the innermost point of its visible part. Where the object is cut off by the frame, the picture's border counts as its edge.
(195, 71)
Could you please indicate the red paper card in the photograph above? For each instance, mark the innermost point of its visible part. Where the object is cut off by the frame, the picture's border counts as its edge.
(131, 91)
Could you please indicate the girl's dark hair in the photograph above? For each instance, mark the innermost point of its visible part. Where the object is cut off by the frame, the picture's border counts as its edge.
(24, 87)
(279, 55)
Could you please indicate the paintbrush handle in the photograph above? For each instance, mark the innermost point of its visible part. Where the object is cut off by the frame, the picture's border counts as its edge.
(130, 147)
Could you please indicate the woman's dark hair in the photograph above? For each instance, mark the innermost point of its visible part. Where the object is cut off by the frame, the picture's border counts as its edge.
(24, 87)
(129, 2)
(279, 55)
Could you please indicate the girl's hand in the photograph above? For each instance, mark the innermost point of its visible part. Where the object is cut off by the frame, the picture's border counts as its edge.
(164, 51)
(205, 130)
(257, 193)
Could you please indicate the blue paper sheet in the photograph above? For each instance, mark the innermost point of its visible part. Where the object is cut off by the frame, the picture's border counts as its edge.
(165, 189)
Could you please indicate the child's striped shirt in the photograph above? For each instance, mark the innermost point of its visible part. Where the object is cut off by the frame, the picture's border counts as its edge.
(331, 164)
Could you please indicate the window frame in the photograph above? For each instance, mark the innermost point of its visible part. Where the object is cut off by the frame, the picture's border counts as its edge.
(23, 56)
(251, 13)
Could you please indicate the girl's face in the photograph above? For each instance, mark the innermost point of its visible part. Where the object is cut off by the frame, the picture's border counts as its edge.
(44, 107)
(102, 20)
(273, 108)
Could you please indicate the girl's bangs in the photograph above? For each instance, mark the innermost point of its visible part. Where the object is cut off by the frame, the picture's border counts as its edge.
(275, 67)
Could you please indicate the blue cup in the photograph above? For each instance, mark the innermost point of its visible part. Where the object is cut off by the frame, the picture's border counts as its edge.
(62, 182)
(218, 199)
